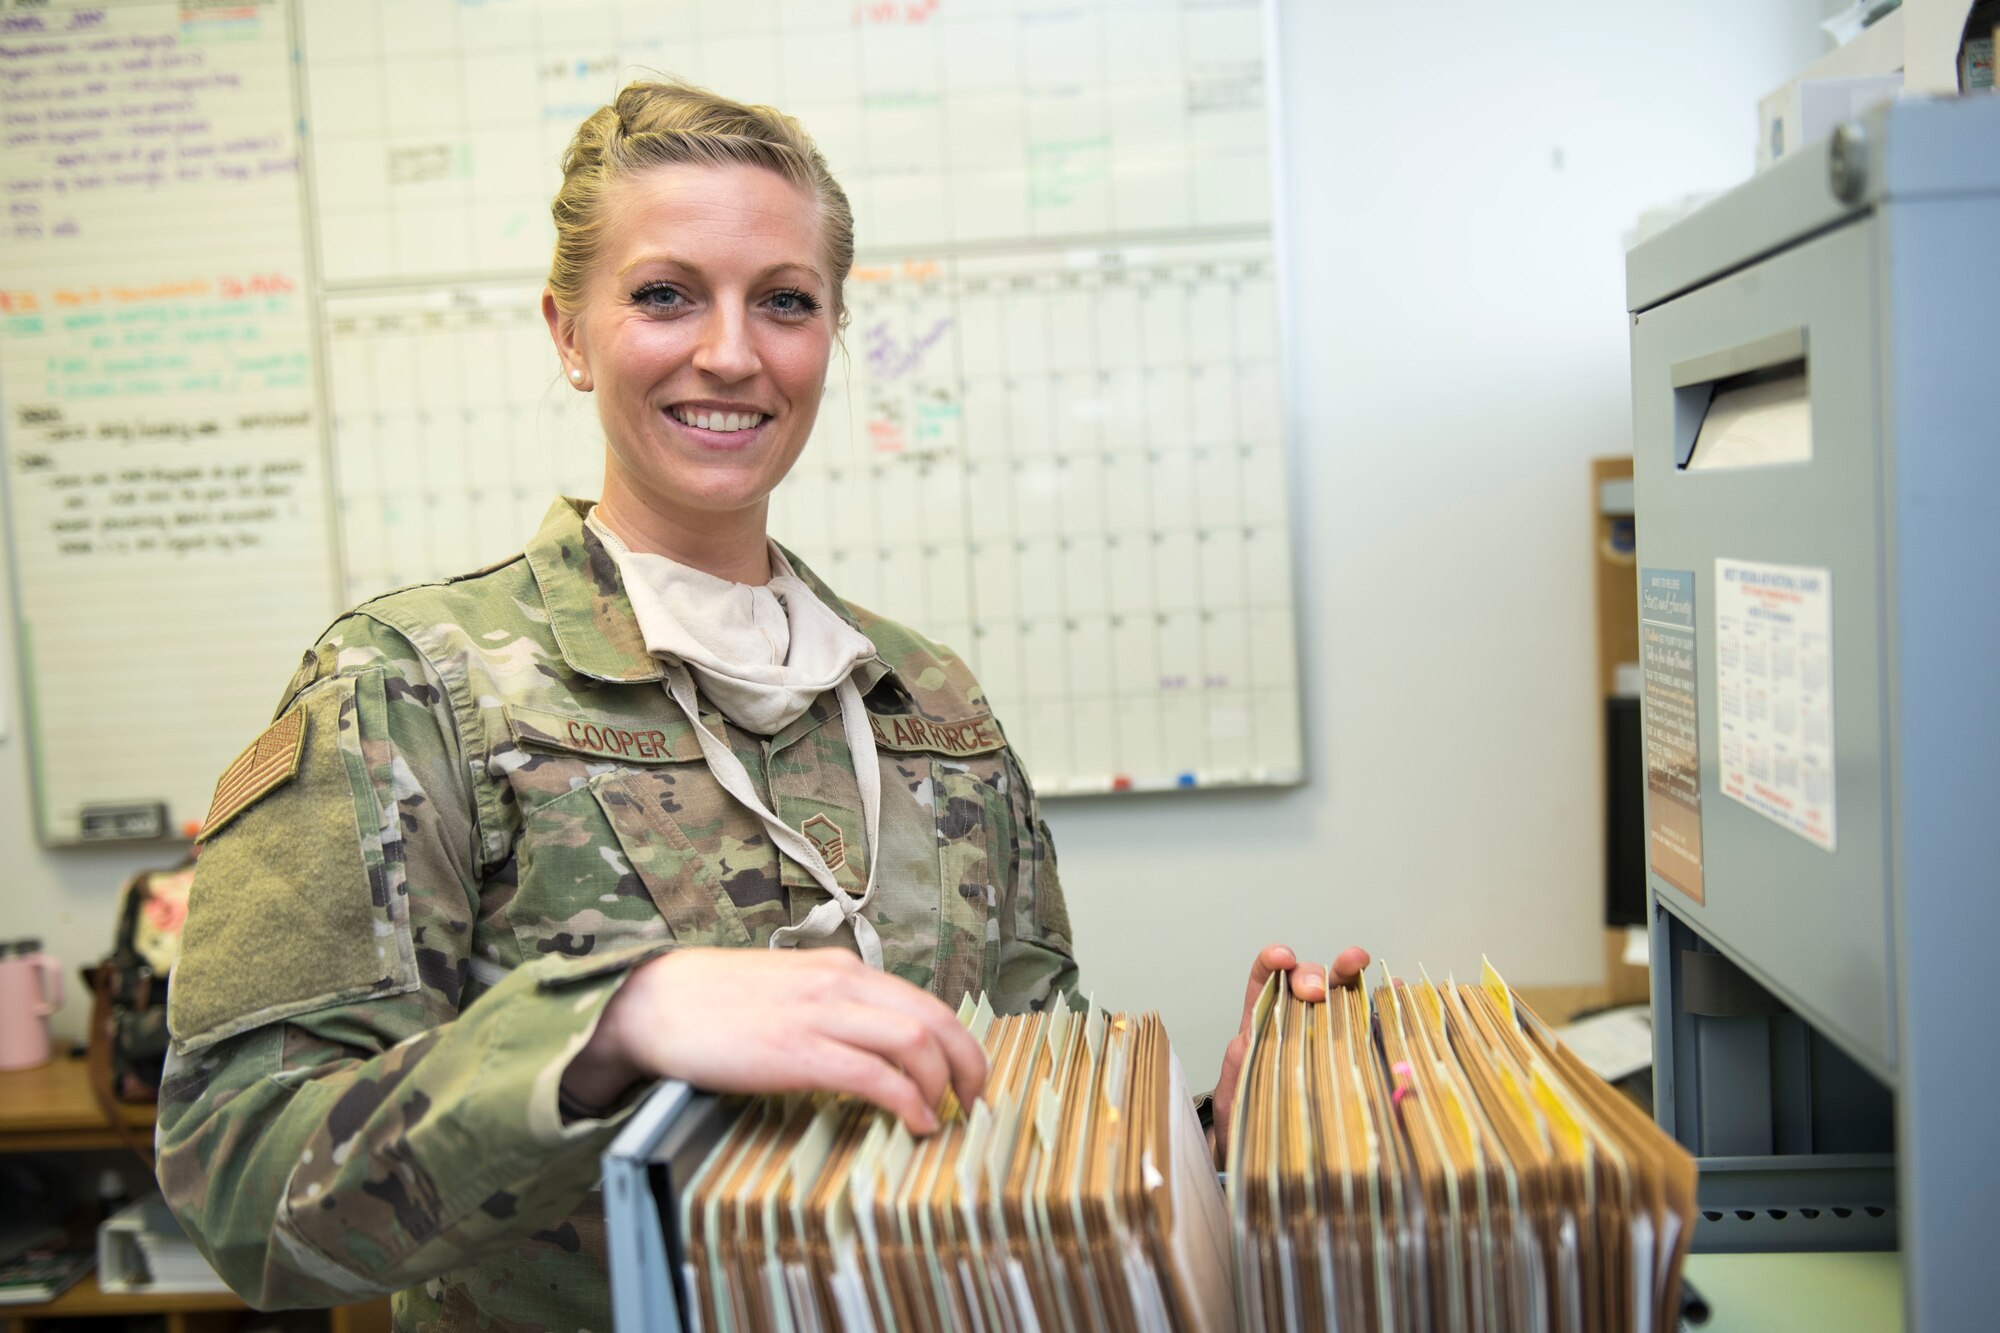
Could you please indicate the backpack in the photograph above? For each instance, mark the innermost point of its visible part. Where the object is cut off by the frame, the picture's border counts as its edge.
(128, 1017)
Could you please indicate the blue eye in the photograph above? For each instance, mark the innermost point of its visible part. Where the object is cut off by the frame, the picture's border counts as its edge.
(794, 303)
(658, 295)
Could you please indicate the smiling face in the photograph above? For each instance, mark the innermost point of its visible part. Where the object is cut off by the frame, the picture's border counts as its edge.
(705, 330)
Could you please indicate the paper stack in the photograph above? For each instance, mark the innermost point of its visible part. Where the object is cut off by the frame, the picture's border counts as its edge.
(1431, 1157)
(141, 1248)
(1076, 1194)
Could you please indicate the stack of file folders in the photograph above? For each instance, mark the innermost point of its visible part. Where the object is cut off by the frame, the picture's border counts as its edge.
(1078, 1192)
(1431, 1157)
(1409, 1159)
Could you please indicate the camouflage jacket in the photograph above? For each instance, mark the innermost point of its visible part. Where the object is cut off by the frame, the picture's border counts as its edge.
(477, 809)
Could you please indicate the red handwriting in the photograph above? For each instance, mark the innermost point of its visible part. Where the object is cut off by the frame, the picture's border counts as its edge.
(894, 11)
(228, 287)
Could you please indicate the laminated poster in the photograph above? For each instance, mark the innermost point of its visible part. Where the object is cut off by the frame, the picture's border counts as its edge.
(1672, 738)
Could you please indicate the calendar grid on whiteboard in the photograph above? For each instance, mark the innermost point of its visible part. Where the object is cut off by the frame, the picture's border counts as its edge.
(449, 430)
(1053, 440)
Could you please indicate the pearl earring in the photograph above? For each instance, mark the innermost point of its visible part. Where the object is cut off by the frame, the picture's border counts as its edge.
(576, 377)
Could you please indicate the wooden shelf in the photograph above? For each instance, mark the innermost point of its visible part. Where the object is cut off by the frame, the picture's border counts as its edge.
(186, 1312)
(50, 1109)
(87, 1298)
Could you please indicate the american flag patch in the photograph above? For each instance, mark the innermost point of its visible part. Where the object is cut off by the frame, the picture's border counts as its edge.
(270, 762)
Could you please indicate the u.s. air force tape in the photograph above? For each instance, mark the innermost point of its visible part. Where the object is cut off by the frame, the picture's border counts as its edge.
(916, 735)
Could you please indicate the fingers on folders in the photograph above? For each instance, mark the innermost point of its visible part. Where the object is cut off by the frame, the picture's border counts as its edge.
(1428, 1157)
(1076, 1193)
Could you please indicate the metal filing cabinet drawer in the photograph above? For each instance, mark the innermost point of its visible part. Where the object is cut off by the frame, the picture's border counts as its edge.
(1825, 945)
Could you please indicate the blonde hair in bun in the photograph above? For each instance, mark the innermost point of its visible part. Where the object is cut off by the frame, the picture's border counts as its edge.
(652, 124)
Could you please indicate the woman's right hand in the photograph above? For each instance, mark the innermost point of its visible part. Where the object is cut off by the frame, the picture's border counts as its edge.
(769, 1020)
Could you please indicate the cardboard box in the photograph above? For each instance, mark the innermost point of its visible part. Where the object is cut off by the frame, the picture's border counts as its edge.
(1838, 86)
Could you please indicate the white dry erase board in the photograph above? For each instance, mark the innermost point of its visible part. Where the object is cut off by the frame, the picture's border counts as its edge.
(269, 345)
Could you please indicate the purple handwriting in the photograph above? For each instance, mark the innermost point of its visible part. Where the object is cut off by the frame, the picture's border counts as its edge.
(890, 359)
(76, 20)
(85, 110)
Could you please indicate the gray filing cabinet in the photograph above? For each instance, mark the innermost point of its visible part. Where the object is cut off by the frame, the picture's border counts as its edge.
(1816, 438)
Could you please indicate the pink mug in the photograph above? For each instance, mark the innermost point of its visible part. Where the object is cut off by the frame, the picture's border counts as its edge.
(30, 990)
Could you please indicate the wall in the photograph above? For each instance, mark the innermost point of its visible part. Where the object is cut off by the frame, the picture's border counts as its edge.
(1459, 178)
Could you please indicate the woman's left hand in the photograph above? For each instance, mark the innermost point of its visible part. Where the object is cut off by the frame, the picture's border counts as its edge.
(1308, 984)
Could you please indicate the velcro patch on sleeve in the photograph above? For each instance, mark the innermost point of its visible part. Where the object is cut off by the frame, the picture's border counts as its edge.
(269, 763)
(293, 910)
(908, 734)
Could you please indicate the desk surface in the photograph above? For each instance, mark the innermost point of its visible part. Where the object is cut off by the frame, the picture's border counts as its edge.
(1799, 1293)
(50, 1109)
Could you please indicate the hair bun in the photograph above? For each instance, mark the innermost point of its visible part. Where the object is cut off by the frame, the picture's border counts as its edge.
(652, 124)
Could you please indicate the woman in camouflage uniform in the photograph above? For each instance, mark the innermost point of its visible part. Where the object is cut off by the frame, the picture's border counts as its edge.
(520, 842)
